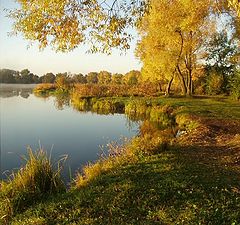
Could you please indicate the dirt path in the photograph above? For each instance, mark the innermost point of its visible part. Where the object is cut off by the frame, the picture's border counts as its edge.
(217, 141)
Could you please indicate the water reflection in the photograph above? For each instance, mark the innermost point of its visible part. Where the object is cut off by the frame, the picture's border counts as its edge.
(57, 121)
(53, 122)
(11, 90)
(61, 101)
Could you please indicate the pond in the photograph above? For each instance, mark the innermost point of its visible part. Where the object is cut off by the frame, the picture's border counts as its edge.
(27, 120)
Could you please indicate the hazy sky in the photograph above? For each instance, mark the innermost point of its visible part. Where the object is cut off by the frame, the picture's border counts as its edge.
(14, 54)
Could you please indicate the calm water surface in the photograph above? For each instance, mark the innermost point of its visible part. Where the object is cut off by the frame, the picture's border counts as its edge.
(27, 120)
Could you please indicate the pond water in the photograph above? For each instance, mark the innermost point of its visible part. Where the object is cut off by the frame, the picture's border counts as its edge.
(27, 120)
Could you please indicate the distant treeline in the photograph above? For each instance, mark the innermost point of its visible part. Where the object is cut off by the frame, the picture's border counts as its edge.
(103, 77)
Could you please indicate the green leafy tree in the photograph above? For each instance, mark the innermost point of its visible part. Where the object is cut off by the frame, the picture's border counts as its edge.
(48, 78)
(36, 79)
(7, 76)
(26, 77)
(222, 58)
(79, 78)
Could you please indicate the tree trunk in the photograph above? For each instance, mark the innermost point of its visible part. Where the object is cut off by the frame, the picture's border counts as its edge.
(182, 81)
(160, 86)
(189, 66)
(168, 88)
(189, 88)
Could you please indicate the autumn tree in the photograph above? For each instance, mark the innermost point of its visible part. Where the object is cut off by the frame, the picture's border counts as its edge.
(131, 77)
(104, 24)
(79, 78)
(104, 77)
(66, 24)
(63, 82)
(117, 78)
(172, 34)
(92, 77)
(235, 5)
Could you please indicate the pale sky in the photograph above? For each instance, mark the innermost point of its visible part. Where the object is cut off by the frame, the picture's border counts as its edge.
(14, 54)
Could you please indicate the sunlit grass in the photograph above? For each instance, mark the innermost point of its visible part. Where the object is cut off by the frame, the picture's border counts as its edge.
(33, 181)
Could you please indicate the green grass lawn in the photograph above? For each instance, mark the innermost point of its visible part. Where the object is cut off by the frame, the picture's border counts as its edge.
(168, 188)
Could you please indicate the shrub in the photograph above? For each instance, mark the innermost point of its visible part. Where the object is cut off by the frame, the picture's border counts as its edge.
(137, 110)
(113, 90)
(235, 86)
(106, 106)
(214, 84)
(186, 122)
(162, 115)
(44, 89)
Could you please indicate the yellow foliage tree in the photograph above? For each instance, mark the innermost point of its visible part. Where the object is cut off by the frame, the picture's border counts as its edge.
(172, 34)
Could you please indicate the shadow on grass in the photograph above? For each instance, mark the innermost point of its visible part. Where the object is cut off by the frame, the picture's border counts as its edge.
(174, 187)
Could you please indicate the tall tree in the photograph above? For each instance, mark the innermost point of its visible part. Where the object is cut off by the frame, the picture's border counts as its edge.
(172, 33)
(26, 77)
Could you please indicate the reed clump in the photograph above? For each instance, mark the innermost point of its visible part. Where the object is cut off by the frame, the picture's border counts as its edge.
(29, 184)
(138, 109)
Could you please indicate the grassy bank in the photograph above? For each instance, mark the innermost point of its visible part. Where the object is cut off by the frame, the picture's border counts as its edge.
(193, 179)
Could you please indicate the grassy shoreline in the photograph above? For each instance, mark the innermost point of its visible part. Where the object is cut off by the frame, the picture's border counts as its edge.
(194, 180)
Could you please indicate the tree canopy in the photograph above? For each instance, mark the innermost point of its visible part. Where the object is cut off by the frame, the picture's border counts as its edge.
(64, 24)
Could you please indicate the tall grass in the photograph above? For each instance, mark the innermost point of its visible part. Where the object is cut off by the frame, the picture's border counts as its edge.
(29, 184)
(116, 155)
